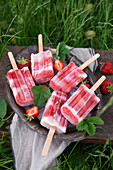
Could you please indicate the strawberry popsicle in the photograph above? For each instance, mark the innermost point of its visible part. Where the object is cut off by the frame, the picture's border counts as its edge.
(77, 107)
(52, 114)
(20, 81)
(42, 64)
(70, 76)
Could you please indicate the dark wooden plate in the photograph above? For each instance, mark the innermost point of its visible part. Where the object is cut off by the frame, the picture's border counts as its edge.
(72, 134)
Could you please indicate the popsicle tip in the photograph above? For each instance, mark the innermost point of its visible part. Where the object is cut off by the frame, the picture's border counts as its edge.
(40, 35)
(44, 153)
(97, 55)
(98, 83)
(103, 77)
(9, 53)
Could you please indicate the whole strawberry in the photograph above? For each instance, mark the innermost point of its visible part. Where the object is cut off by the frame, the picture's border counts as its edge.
(44, 86)
(88, 85)
(107, 68)
(106, 87)
(85, 83)
(23, 63)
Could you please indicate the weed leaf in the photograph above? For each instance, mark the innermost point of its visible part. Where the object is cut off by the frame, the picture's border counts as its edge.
(1, 123)
(3, 108)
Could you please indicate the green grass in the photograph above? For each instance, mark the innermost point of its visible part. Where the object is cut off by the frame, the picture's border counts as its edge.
(21, 22)
(6, 158)
(86, 157)
(84, 23)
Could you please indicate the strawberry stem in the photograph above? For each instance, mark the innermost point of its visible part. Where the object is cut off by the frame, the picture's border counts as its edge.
(7, 117)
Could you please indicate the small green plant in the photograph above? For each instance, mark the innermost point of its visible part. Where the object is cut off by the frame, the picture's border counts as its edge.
(88, 124)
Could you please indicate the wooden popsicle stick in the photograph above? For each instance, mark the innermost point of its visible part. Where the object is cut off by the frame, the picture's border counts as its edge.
(12, 60)
(98, 83)
(40, 43)
(52, 128)
(48, 141)
(84, 65)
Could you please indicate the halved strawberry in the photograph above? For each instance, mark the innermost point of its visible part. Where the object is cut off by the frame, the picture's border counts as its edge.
(32, 113)
(58, 65)
(23, 63)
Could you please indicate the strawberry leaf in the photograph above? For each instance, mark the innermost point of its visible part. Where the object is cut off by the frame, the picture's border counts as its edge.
(96, 120)
(66, 51)
(87, 124)
(62, 51)
(3, 108)
(37, 89)
(46, 92)
(62, 57)
(41, 94)
(90, 129)
(62, 46)
(82, 125)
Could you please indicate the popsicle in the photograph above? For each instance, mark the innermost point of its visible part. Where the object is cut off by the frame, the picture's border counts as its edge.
(52, 118)
(20, 81)
(77, 107)
(70, 76)
(42, 64)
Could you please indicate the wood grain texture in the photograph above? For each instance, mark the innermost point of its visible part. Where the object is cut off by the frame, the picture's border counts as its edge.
(101, 135)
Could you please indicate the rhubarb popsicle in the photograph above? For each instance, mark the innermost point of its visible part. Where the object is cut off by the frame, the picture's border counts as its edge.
(70, 76)
(20, 81)
(52, 114)
(77, 107)
(42, 64)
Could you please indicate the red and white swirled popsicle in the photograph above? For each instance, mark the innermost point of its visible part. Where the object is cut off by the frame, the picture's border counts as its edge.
(77, 107)
(52, 114)
(70, 76)
(42, 64)
(53, 119)
(21, 82)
